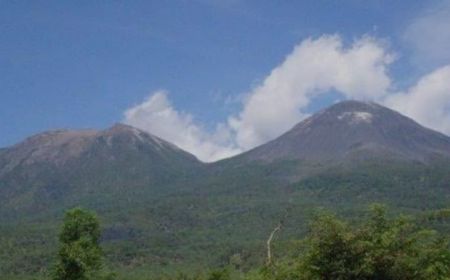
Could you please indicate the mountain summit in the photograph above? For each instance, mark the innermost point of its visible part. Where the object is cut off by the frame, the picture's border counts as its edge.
(358, 131)
(60, 147)
(69, 164)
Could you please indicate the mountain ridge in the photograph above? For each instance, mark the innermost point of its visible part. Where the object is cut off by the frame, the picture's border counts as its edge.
(355, 114)
(61, 145)
(354, 130)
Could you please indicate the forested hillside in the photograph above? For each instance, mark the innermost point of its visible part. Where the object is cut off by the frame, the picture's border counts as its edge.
(162, 211)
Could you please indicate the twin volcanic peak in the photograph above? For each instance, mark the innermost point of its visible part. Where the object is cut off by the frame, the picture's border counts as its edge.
(345, 131)
(353, 130)
(123, 164)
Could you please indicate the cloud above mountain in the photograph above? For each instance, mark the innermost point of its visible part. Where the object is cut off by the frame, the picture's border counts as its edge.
(316, 66)
(427, 102)
(157, 116)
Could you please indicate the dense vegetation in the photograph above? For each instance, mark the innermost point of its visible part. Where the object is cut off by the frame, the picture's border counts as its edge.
(223, 216)
(378, 247)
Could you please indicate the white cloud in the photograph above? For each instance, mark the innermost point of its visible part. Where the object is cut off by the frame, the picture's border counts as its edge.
(313, 68)
(428, 102)
(316, 66)
(429, 35)
(157, 116)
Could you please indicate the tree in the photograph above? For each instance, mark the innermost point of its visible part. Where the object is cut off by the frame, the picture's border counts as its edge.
(380, 248)
(377, 248)
(79, 256)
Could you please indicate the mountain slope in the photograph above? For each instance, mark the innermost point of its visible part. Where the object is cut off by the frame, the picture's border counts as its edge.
(61, 167)
(353, 130)
(163, 209)
(58, 147)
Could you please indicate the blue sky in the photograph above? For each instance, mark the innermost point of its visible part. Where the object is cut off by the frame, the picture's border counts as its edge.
(80, 64)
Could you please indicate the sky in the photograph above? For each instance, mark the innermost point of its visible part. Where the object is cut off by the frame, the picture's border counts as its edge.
(217, 77)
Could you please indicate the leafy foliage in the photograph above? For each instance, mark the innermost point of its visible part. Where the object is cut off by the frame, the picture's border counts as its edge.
(80, 255)
(380, 248)
(220, 217)
(377, 247)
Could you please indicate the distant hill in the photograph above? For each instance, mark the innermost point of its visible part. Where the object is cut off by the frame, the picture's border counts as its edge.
(161, 208)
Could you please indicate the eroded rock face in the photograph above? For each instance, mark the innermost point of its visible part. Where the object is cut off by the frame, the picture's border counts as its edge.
(355, 130)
